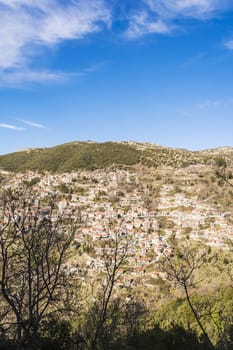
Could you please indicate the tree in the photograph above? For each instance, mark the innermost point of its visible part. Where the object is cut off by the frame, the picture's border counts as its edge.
(182, 267)
(34, 243)
(104, 315)
(222, 171)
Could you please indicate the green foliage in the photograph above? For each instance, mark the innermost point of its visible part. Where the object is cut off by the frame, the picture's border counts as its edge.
(32, 182)
(80, 190)
(221, 162)
(56, 335)
(91, 156)
(72, 156)
(216, 310)
(63, 188)
(157, 339)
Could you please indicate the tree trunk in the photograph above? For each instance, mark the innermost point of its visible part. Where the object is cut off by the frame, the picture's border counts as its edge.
(207, 339)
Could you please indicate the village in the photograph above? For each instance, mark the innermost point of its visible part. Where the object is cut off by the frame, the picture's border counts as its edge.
(111, 204)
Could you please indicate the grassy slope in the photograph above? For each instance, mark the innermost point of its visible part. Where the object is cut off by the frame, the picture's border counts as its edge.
(88, 155)
(71, 156)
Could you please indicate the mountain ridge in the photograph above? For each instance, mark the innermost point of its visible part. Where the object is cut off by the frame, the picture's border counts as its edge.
(92, 155)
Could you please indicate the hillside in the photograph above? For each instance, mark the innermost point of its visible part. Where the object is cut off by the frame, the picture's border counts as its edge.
(90, 156)
(156, 202)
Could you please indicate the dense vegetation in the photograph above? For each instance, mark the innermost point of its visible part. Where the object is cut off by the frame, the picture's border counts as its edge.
(71, 156)
(90, 155)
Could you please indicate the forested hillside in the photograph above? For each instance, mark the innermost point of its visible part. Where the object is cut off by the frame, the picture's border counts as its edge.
(90, 155)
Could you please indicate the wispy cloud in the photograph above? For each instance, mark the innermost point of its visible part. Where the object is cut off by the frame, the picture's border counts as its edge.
(208, 106)
(141, 24)
(193, 60)
(159, 16)
(29, 123)
(229, 44)
(28, 25)
(186, 8)
(12, 127)
(33, 124)
(17, 78)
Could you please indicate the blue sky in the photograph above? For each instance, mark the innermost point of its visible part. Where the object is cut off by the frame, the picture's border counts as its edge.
(146, 70)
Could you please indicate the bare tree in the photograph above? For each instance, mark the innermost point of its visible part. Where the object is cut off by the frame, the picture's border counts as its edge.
(182, 267)
(104, 314)
(34, 243)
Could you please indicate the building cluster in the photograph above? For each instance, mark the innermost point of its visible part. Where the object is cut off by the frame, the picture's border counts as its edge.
(112, 207)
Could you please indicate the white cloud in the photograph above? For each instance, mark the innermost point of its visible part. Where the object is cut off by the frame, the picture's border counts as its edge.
(163, 14)
(141, 24)
(18, 77)
(33, 124)
(73, 22)
(12, 127)
(199, 9)
(28, 25)
(41, 4)
(187, 8)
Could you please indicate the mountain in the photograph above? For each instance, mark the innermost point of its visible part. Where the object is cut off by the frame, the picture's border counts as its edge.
(91, 155)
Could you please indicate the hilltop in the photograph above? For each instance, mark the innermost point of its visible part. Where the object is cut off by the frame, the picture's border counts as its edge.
(91, 156)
